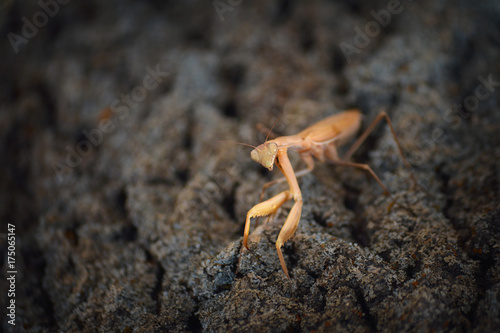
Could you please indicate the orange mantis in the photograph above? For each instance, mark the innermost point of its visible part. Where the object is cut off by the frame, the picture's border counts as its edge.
(321, 141)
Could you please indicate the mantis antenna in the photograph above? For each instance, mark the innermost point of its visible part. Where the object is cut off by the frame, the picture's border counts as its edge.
(238, 143)
(267, 137)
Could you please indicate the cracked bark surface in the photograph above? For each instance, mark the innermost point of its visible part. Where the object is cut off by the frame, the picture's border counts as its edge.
(144, 232)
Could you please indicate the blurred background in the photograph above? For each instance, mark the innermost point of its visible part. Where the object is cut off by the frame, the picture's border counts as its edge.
(128, 211)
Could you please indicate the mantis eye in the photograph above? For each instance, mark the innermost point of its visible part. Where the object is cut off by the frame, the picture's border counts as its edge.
(255, 155)
(273, 148)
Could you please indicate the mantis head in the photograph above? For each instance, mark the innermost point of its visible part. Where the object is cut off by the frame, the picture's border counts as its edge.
(265, 154)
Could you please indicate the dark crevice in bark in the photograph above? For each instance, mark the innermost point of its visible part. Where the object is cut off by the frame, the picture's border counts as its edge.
(370, 319)
(157, 288)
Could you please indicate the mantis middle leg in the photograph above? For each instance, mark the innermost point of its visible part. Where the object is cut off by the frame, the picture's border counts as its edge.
(362, 138)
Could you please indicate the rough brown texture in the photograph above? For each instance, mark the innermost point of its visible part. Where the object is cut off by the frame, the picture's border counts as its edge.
(139, 229)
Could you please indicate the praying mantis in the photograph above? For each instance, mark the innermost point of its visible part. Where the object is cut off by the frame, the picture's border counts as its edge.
(321, 141)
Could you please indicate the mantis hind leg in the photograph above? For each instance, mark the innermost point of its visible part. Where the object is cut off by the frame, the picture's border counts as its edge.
(362, 138)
